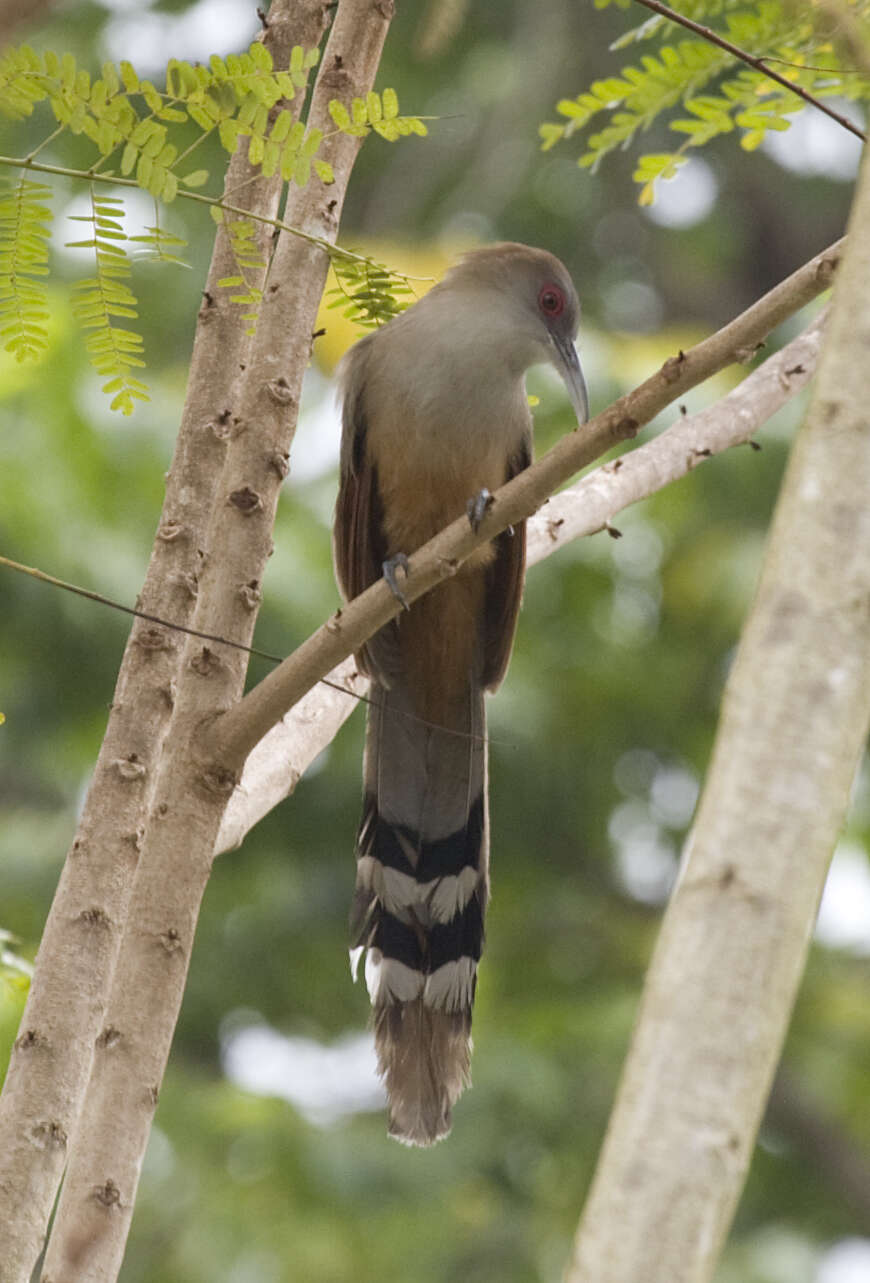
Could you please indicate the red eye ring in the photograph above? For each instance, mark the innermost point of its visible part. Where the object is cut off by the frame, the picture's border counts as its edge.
(551, 300)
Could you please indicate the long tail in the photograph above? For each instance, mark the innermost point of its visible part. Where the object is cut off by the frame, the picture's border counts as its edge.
(421, 891)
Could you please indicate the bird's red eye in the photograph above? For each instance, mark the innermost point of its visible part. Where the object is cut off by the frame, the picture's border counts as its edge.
(551, 300)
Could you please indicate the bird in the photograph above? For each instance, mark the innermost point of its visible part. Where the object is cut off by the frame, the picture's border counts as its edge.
(435, 417)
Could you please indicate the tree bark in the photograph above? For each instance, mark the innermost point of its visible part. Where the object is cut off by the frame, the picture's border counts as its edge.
(733, 943)
(95, 1208)
(52, 1055)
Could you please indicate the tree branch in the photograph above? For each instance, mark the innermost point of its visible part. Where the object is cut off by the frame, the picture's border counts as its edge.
(278, 762)
(227, 741)
(758, 64)
(728, 961)
(52, 1055)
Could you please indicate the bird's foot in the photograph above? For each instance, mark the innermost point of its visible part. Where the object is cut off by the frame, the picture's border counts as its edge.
(478, 507)
(390, 566)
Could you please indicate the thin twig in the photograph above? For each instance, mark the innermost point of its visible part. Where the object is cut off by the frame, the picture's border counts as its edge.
(706, 33)
(34, 573)
(117, 180)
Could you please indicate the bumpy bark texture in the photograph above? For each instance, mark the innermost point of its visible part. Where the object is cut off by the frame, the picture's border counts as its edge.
(733, 944)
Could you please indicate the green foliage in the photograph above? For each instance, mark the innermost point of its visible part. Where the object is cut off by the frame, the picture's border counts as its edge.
(112, 350)
(368, 292)
(250, 263)
(25, 222)
(376, 112)
(683, 74)
(143, 137)
(161, 245)
(141, 129)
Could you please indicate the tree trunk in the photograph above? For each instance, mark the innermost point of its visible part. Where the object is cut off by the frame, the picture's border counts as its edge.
(734, 940)
(52, 1056)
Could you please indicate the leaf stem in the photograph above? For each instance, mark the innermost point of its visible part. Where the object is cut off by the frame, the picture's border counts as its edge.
(90, 175)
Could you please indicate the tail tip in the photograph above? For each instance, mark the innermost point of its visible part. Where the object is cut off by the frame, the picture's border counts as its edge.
(419, 1133)
(424, 1058)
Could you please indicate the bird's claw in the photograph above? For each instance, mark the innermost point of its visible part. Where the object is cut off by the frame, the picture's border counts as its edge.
(390, 566)
(478, 507)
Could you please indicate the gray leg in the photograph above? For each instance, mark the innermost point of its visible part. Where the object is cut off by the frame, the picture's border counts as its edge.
(391, 565)
(478, 507)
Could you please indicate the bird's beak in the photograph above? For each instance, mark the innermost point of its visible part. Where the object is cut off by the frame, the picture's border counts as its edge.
(567, 362)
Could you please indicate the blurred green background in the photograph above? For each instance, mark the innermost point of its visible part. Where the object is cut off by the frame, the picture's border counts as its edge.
(269, 1161)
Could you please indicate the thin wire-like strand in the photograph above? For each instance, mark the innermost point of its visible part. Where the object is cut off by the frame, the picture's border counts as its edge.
(90, 595)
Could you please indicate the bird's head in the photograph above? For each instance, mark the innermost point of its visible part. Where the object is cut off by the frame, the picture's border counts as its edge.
(527, 300)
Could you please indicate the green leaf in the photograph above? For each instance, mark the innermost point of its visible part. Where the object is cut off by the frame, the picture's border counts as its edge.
(260, 56)
(388, 129)
(281, 126)
(150, 94)
(323, 170)
(129, 77)
(338, 112)
(256, 149)
(390, 102)
(228, 131)
(196, 178)
(271, 158)
(313, 139)
(301, 171)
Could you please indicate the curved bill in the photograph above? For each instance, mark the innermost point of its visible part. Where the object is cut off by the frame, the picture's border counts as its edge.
(567, 362)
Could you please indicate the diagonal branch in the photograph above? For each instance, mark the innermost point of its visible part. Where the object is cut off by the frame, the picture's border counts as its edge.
(278, 762)
(758, 64)
(228, 740)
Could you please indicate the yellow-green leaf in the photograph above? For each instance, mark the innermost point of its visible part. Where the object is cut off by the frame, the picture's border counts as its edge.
(390, 101)
(313, 140)
(128, 158)
(338, 112)
(260, 56)
(129, 77)
(301, 171)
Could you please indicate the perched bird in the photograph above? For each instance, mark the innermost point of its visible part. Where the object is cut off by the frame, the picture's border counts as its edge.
(435, 417)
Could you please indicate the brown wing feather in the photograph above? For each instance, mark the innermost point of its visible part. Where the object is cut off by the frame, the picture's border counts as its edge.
(357, 524)
(358, 537)
(504, 588)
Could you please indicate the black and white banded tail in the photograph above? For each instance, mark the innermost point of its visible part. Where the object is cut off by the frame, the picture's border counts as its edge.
(420, 899)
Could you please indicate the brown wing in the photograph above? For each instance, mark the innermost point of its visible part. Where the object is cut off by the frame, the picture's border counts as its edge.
(358, 539)
(504, 587)
(357, 535)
